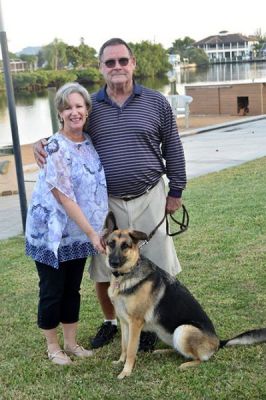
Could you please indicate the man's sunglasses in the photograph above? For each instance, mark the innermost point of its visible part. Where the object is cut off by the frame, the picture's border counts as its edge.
(123, 62)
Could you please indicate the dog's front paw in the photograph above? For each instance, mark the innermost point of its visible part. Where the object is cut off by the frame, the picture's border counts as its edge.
(122, 359)
(123, 374)
(117, 362)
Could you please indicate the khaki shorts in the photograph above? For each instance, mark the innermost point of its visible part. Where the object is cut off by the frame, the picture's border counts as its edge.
(143, 214)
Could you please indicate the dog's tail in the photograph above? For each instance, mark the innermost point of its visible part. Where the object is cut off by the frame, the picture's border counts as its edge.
(249, 337)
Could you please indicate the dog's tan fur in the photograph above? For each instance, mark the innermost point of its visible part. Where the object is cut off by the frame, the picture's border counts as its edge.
(145, 297)
(132, 309)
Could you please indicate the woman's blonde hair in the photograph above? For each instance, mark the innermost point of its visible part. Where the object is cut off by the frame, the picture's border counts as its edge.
(61, 97)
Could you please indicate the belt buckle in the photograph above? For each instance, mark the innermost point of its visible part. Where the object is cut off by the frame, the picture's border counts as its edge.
(149, 188)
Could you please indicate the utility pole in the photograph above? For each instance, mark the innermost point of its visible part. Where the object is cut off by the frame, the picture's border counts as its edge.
(53, 113)
(13, 121)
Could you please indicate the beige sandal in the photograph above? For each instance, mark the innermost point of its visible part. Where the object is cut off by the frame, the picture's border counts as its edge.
(59, 357)
(78, 351)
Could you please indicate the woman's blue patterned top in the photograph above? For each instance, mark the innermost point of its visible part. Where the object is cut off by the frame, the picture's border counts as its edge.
(76, 171)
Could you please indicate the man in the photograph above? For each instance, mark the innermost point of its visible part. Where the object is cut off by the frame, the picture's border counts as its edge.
(134, 132)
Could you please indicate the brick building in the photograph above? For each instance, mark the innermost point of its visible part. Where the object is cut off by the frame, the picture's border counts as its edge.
(228, 98)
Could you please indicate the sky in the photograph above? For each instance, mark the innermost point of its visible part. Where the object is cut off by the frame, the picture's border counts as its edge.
(38, 23)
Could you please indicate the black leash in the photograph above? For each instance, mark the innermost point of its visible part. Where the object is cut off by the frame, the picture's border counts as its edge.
(183, 226)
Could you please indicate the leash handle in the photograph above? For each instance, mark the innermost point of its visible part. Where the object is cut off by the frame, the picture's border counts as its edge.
(183, 225)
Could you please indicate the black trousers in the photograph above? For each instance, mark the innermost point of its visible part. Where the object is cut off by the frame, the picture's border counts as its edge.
(59, 295)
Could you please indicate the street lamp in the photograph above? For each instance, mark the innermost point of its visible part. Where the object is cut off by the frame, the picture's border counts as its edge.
(13, 121)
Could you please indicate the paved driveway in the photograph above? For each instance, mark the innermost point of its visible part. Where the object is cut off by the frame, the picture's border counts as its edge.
(225, 147)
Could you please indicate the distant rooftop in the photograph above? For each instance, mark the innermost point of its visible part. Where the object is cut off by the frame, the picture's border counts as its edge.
(224, 38)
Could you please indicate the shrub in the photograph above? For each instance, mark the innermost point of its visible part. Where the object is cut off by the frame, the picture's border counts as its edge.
(58, 78)
(88, 76)
(24, 81)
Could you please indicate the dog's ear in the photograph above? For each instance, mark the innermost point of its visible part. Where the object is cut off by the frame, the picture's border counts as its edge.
(109, 225)
(136, 236)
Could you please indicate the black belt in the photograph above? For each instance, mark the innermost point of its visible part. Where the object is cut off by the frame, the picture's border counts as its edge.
(128, 198)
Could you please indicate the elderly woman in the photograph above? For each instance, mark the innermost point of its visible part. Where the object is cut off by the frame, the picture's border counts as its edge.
(64, 222)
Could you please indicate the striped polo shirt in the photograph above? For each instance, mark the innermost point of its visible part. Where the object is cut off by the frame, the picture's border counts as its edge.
(137, 142)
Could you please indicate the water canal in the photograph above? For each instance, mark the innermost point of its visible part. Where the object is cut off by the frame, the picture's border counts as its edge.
(33, 112)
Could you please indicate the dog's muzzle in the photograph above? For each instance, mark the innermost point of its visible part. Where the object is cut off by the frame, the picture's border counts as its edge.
(115, 261)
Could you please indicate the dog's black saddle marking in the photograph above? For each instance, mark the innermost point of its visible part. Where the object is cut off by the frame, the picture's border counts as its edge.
(178, 307)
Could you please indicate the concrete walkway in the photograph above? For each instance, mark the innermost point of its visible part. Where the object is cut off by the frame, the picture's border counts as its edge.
(208, 149)
(216, 148)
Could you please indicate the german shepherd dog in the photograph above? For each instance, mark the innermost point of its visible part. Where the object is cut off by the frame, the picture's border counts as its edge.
(146, 297)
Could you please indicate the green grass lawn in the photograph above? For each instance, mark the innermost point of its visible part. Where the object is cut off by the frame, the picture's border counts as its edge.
(223, 255)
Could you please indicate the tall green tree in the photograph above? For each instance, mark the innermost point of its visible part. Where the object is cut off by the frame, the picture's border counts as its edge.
(152, 59)
(82, 56)
(179, 46)
(12, 56)
(196, 56)
(185, 48)
(73, 57)
(87, 56)
(261, 38)
(55, 54)
(41, 58)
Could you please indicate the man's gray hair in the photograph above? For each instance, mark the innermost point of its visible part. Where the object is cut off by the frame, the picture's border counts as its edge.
(114, 42)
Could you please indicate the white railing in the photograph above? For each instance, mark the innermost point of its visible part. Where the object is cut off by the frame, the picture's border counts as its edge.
(180, 105)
